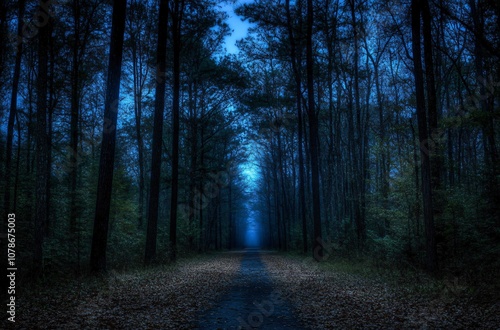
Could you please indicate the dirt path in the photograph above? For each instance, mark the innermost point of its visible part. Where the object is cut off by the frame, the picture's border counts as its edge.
(252, 301)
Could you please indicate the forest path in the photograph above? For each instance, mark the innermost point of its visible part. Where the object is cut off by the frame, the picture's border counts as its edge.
(249, 289)
(252, 301)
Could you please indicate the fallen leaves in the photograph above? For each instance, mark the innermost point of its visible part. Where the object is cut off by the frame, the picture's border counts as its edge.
(326, 299)
(155, 298)
(173, 298)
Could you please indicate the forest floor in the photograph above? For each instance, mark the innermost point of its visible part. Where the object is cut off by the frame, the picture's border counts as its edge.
(331, 296)
(247, 289)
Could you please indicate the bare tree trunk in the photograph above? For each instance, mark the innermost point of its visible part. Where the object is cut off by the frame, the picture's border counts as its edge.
(50, 129)
(435, 152)
(140, 156)
(176, 32)
(193, 122)
(29, 131)
(75, 112)
(269, 206)
(41, 142)
(283, 199)
(486, 104)
(313, 137)
(138, 94)
(18, 161)
(202, 148)
(295, 59)
(358, 152)
(277, 201)
(232, 226)
(154, 184)
(416, 9)
(108, 144)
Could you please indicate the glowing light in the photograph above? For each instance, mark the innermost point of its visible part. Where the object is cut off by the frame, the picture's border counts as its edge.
(252, 239)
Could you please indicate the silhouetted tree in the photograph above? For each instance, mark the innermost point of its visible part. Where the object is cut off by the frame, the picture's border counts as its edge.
(154, 192)
(423, 135)
(108, 144)
(313, 135)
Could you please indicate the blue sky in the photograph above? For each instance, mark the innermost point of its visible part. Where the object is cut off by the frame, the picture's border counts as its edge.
(238, 27)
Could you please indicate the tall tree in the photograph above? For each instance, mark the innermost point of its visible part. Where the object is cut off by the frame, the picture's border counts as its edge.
(42, 173)
(296, 64)
(154, 190)
(313, 135)
(432, 105)
(486, 104)
(108, 144)
(177, 13)
(74, 121)
(357, 141)
(423, 135)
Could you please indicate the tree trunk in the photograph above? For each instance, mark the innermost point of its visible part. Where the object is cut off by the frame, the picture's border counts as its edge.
(269, 207)
(50, 129)
(277, 200)
(284, 206)
(423, 135)
(295, 60)
(193, 128)
(232, 227)
(435, 153)
(176, 32)
(41, 142)
(108, 144)
(75, 101)
(202, 159)
(154, 184)
(313, 137)
(138, 93)
(18, 161)
(486, 104)
(358, 181)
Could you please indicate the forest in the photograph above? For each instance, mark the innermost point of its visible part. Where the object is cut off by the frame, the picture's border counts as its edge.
(135, 138)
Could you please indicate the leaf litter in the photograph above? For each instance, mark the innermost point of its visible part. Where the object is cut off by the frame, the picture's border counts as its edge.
(328, 299)
(174, 297)
(156, 298)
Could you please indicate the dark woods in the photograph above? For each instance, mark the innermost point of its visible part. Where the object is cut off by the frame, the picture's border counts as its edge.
(371, 127)
(406, 98)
